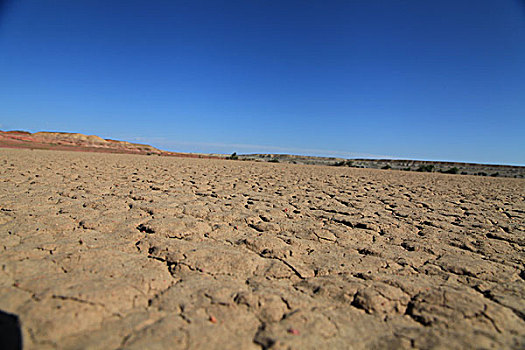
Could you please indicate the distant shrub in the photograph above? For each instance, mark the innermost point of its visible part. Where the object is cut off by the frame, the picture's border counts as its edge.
(453, 170)
(273, 160)
(233, 156)
(482, 173)
(406, 169)
(344, 163)
(464, 173)
(495, 174)
(386, 167)
(426, 168)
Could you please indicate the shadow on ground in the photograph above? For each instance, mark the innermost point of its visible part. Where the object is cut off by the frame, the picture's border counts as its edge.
(10, 334)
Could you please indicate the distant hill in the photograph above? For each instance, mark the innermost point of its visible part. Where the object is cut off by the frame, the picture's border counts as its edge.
(396, 164)
(79, 142)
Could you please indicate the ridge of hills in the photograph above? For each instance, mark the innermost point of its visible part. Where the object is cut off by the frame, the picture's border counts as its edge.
(494, 170)
(67, 141)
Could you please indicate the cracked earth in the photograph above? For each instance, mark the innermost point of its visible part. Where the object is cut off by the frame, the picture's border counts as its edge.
(133, 252)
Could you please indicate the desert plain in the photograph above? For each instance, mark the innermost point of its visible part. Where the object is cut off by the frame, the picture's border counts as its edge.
(120, 251)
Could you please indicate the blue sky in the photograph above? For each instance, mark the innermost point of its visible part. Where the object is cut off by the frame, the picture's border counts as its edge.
(439, 80)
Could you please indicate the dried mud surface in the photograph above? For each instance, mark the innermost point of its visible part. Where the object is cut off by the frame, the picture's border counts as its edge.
(133, 252)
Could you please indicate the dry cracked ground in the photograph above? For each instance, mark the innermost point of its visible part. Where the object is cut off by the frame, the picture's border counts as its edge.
(133, 252)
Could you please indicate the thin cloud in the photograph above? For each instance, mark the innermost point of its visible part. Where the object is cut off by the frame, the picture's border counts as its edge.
(215, 147)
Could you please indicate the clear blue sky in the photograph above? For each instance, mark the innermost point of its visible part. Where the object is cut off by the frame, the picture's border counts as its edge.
(440, 80)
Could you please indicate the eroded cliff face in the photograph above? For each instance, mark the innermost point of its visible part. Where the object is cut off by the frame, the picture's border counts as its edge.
(132, 252)
(62, 140)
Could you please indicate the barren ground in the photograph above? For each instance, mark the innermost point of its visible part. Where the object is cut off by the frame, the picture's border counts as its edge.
(127, 251)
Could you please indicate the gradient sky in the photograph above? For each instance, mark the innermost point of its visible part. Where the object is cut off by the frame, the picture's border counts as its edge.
(437, 80)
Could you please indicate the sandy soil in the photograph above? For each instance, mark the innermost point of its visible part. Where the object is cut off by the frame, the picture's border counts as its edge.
(127, 251)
